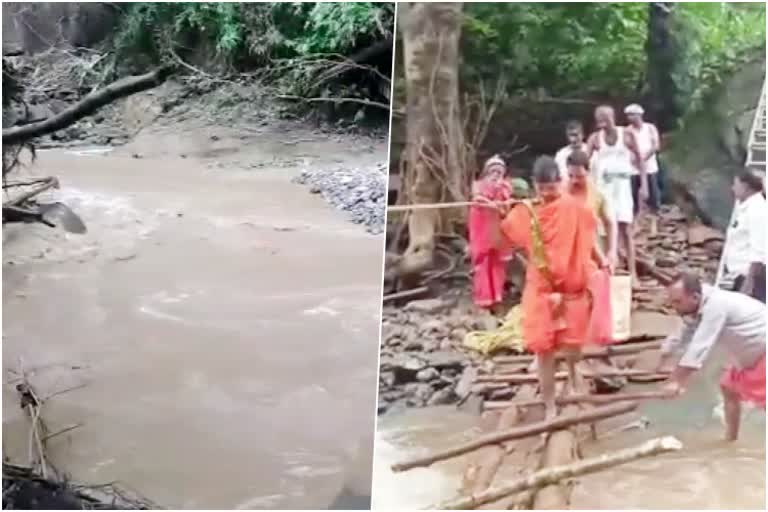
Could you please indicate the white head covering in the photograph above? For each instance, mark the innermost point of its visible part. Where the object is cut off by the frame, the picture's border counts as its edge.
(634, 109)
(494, 161)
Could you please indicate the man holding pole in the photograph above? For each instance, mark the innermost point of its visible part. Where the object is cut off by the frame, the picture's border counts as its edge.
(713, 316)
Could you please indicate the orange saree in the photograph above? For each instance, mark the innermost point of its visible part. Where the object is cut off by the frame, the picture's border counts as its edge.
(558, 238)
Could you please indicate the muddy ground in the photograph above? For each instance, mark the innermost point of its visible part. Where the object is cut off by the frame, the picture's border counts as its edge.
(226, 358)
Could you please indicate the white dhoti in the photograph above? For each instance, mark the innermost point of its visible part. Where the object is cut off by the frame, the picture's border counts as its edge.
(617, 190)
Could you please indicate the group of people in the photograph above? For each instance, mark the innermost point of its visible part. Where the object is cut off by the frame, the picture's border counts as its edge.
(585, 204)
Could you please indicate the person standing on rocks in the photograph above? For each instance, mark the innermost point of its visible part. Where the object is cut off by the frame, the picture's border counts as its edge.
(711, 316)
(558, 234)
(745, 245)
(649, 144)
(488, 259)
(613, 150)
(574, 134)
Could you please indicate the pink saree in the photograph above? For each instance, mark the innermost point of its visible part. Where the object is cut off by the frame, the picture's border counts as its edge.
(488, 260)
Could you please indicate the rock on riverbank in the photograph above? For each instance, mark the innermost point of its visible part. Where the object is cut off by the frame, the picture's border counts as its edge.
(361, 192)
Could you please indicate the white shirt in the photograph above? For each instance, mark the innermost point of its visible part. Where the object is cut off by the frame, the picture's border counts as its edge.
(561, 159)
(746, 235)
(645, 138)
(734, 319)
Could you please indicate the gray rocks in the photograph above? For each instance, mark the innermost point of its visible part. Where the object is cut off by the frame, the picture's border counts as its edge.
(422, 360)
(361, 192)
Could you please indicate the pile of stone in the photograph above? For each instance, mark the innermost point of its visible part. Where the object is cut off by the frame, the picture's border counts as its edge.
(423, 361)
(360, 192)
(681, 245)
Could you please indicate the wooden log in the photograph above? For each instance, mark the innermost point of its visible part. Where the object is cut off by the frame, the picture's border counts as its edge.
(559, 450)
(532, 429)
(552, 475)
(87, 106)
(522, 378)
(489, 458)
(576, 399)
(611, 350)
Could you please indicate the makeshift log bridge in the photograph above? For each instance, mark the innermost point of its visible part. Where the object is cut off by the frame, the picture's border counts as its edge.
(514, 426)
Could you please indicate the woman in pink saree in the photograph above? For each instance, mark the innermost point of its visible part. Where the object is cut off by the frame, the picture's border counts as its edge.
(488, 260)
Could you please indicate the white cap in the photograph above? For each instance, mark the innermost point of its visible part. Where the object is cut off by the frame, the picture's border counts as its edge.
(634, 109)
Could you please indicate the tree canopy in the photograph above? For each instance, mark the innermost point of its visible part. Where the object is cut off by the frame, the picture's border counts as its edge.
(600, 48)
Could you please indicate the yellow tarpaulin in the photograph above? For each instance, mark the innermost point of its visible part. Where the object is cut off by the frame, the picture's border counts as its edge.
(508, 336)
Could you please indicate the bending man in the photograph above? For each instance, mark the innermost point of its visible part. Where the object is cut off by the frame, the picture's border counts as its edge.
(558, 234)
(712, 316)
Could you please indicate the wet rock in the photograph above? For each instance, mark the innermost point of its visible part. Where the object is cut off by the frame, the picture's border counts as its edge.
(427, 374)
(413, 346)
(387, 379)
(419, 391)
(442, 397)
(445, 345)
(426, 306)
(464, 386)
(444, 359)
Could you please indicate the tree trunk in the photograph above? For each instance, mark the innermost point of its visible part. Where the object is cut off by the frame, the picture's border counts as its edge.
(667, 66)
(433, 167)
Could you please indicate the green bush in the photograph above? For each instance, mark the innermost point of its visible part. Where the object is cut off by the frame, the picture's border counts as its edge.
(251, 33)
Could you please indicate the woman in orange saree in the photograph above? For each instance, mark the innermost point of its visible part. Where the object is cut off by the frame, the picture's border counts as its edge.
(488, 260)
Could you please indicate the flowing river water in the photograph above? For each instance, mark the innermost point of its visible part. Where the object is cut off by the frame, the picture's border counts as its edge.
(707, 474)
(203, 333)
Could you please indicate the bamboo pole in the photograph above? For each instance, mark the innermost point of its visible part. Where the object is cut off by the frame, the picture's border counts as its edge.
(612, 350)
(532, 429)
(518, 378)
(576, 399)
(549, 476)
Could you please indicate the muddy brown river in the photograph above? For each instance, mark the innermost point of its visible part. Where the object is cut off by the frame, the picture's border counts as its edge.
(707, 474)
(219, 324)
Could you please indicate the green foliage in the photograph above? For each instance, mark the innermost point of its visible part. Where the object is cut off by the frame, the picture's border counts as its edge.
(584, 48)
(722, 36)
(248, 32)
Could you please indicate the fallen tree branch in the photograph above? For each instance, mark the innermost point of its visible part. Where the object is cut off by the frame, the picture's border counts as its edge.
(405, 293)
(45, 184)
(87, 106)
(553, 475)
(362, 101)
(532, 429)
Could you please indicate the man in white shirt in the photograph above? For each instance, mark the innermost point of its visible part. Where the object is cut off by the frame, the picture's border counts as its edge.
(712, 316)
(745, 256)
(574, 134)
(648, 143)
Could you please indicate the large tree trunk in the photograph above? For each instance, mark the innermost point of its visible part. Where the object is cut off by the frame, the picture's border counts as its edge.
(667, 66)
(433, 172)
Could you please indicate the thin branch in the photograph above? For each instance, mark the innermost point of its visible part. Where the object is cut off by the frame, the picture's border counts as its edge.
(362, 101)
